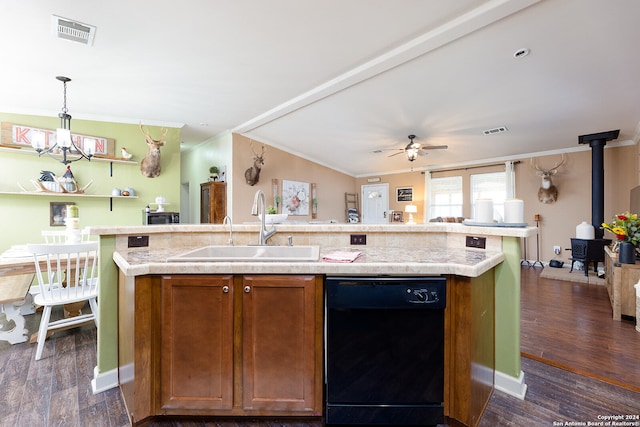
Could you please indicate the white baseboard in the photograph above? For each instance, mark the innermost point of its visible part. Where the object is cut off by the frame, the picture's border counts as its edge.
(104, 381)
(511, 385)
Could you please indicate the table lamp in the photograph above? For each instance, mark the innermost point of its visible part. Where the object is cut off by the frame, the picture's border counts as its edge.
(411, 209)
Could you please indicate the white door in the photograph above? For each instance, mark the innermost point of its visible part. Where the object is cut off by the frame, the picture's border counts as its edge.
(375, 203)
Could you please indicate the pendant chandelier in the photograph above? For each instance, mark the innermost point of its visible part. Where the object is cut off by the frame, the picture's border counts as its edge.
(63, 143)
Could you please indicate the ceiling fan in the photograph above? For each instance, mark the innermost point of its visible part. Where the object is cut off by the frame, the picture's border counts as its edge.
(413, 149)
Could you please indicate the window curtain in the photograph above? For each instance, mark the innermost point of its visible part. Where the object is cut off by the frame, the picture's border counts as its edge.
(510, 179)
(427, 197)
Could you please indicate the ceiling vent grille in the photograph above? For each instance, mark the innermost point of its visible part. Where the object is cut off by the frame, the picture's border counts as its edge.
(74, 31)
(495, 130)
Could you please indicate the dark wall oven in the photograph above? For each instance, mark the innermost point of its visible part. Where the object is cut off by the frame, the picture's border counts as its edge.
(385, 350)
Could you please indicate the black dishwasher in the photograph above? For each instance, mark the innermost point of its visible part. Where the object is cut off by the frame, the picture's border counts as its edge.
(385, 350)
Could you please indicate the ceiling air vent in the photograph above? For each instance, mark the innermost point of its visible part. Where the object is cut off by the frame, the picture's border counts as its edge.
(74, 31)
(495, 130)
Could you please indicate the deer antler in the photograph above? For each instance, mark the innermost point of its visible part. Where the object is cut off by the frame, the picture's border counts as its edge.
(560, 163)
(146, 134)
(553, 169)
(256, 155)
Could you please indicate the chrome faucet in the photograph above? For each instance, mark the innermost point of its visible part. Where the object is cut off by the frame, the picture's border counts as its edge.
(260, 199)
(227, 219)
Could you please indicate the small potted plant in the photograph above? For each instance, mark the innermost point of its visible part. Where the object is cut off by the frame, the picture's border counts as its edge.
(213, 173)
(273, 217)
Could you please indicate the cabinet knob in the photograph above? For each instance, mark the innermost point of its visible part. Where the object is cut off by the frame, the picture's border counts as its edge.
(225, 289)
(247, 289)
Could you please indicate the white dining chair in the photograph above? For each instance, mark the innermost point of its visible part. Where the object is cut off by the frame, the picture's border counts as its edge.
(60, 236)
(56, 236)
(66, 273)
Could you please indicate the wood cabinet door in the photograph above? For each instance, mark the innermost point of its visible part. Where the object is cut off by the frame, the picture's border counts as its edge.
(469, 346)
(197, 342)
(218, 202)
(213, 202)
(282, 328)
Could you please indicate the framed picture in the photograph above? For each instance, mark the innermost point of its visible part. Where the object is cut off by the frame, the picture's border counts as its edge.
(295, 197)
(404, 194)
(395, 216)
(58, 213)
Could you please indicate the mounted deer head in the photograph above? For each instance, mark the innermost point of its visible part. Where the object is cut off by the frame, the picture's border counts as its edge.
(150, 165)
(548, 193)
(252, 175)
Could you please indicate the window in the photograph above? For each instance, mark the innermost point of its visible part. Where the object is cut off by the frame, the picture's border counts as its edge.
(446, 196)
(489, 186)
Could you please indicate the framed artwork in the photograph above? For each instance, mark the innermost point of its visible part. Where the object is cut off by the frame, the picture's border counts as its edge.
(295, 197)
(396, 216)
(58, 213)
(404, 194)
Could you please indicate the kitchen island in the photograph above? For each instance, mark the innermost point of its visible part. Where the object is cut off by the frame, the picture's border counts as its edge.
(422, 250)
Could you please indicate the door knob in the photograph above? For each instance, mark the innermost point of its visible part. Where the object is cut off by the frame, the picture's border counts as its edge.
(225, 289)
(247, 289)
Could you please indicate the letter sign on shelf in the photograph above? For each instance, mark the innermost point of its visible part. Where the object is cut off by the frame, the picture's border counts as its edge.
(14, 135)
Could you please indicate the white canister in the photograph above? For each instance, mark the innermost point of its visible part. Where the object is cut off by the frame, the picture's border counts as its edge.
(514, 211)
(72, 223)
(484, 210)
(585, 230)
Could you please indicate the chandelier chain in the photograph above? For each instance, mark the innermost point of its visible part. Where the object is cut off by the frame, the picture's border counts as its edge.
(64, 98)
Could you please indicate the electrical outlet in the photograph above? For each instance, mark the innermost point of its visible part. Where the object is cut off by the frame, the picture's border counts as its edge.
(476, 242)
(138, 241)
(358, 239)
(556, 250)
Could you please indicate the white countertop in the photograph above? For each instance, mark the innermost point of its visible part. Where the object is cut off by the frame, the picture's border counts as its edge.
(390, 258)
(431, 227)
(374, 261)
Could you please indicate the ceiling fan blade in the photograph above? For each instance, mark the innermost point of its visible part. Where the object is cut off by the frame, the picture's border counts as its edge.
(395, 154)
(434, 147)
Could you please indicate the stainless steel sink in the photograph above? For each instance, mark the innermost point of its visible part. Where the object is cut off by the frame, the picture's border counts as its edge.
(250, 253)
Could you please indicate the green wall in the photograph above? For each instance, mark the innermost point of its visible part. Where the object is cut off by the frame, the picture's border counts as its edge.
(24, 216)
(508, 309)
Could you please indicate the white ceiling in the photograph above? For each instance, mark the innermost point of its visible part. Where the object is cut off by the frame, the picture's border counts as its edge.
(334, 80)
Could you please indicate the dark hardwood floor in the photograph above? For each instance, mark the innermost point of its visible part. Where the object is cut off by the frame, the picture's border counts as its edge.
(566, 323)
(570, 325)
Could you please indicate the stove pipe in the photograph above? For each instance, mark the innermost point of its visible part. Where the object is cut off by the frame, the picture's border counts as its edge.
(597, 141)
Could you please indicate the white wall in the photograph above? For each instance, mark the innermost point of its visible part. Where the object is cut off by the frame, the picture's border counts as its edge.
(195, 170)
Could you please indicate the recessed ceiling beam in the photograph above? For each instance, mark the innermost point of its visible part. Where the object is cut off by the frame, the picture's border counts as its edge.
(480, 17)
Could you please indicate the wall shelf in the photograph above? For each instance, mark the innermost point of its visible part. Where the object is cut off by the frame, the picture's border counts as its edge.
(44, 193)
(52, 194)
(19, 150)
(111, 161)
